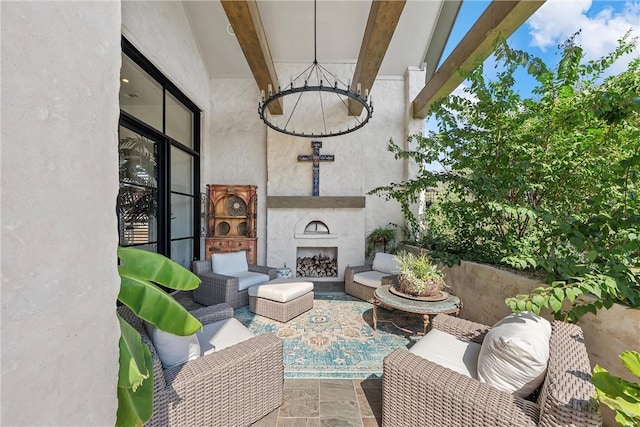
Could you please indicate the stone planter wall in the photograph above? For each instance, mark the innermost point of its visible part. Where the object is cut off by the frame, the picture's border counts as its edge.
(483, 290)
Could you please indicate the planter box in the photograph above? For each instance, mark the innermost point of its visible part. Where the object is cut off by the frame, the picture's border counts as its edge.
(483, 290)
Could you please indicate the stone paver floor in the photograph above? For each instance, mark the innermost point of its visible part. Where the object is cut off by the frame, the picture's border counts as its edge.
(328, 403)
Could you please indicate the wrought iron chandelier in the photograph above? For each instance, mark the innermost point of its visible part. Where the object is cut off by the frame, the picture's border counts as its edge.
(305, 94)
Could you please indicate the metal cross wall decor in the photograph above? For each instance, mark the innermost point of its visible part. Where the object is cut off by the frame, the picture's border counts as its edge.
(316, 158)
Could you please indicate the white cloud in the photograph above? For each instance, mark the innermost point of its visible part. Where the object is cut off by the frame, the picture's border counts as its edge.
(557, 20)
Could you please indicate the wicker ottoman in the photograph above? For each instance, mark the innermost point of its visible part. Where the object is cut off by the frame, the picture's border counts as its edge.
(281, 299)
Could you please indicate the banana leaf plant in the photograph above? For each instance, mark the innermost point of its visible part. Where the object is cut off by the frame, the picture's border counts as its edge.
(618, 394)
(139, 272)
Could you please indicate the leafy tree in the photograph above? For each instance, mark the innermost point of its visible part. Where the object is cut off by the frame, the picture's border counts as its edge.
(550, 181)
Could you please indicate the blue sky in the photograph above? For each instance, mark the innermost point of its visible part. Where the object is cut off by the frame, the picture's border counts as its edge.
(602, 23)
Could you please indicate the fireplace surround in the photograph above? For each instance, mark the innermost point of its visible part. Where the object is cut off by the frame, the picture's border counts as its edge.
(332, 229)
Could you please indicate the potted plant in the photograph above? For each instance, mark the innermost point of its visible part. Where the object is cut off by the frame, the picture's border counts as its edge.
(381, 236)
(418, 276)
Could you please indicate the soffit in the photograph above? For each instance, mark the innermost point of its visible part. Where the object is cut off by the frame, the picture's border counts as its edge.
(288, 26)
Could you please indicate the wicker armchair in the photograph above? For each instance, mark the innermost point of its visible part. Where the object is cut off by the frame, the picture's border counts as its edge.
(218, 288)
(362, 281)
(417, 392)
(235, 386)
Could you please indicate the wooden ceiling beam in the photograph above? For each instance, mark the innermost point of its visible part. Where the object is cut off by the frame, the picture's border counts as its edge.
(383, 18)
(247, 25)
(500, 18)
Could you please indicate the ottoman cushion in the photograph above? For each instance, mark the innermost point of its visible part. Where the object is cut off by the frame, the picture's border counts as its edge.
(281, 290)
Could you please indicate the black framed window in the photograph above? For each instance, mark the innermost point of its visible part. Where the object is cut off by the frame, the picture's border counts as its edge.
(159, 152)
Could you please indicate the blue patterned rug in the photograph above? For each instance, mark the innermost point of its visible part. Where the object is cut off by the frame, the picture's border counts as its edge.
(335, 339)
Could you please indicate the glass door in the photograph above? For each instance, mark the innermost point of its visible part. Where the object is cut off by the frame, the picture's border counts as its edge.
(138, 195)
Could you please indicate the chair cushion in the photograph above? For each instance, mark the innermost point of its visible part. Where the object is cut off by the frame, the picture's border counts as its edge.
(229, 263)
(281, 290)
(222, 334)
(247, 279)
(172, 349)
(515, 353)
(449, 351)
(370, 278)
(385, 262)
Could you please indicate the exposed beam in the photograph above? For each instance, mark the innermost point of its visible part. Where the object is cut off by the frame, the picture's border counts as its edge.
(444, 25)
(500, 18)
(247, 25)
(383, 18)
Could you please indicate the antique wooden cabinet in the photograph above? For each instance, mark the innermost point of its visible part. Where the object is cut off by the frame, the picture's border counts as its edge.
(232, 220)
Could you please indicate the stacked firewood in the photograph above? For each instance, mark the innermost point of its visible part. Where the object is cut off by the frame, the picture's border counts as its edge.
(317, 266)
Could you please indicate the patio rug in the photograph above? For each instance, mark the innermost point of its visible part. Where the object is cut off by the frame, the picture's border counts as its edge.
(335, 339)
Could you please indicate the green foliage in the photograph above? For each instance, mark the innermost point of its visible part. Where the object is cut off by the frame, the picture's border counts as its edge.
(382, 236)
(549, 182)
(620, 395)
(418, 266)
(418, 275)
(139, 272)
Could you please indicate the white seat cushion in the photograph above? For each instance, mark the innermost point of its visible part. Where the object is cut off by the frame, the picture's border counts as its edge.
(281, 290)
(229, 263)
(449, 351)
(222, 334)
(386, 263)
(371, 278)
(173, 349)
(247, 279)
(515, 353)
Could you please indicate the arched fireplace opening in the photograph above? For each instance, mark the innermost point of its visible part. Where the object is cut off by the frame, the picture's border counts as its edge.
(317, 261)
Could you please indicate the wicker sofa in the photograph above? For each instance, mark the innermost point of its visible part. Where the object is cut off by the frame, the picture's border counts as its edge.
(417, 392)
(235, 386)
(219, 288)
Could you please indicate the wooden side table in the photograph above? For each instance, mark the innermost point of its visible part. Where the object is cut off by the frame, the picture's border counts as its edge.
(384, 297)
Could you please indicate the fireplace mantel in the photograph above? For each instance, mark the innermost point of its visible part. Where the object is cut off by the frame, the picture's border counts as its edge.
(316, 202)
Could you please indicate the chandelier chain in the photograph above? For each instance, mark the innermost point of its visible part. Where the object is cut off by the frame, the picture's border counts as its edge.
(333, 85)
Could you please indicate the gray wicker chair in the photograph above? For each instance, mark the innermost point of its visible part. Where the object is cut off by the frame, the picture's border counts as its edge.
(218, 288)
(417, 392)
(235, 386)
(358, 290)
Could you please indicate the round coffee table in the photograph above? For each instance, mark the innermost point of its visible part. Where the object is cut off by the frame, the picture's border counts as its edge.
(384, 297)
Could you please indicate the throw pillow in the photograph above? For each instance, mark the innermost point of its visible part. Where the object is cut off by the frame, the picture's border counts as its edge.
(173, 350)
(229, 263)
(514, 354)
(385, 263)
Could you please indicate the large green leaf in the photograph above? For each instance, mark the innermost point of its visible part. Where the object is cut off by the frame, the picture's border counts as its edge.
(133, 370)
(631, 360)
(158, 268)
(134, 408)
(152, 304)
(616, 393)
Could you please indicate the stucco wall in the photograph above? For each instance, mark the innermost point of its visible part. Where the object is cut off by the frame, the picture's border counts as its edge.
(244, 151)
(60, 79)
(237, 151)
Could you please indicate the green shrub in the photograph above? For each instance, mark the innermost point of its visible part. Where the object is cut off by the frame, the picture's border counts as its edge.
(549, 182)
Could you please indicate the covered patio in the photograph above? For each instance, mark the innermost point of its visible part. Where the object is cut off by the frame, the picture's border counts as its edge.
(67, 106)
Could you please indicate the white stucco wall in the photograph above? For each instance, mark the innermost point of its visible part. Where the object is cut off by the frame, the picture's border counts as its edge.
(60, 80)
(237, 151)
(245, 151)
